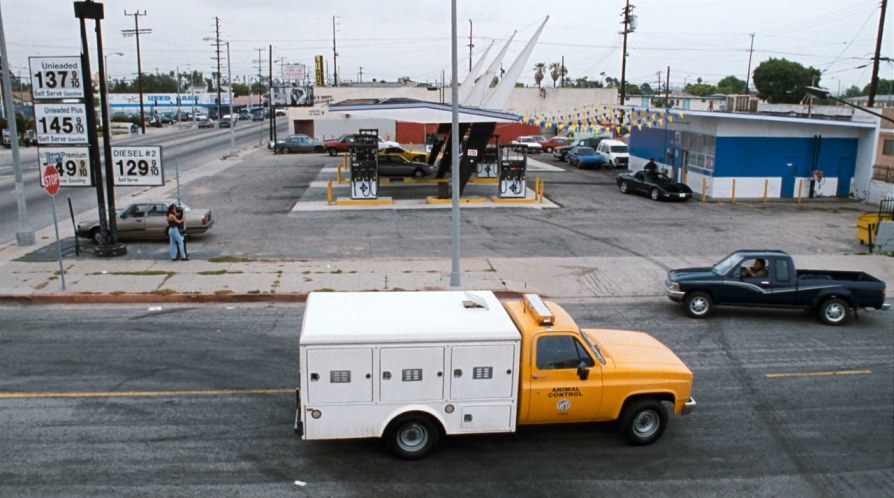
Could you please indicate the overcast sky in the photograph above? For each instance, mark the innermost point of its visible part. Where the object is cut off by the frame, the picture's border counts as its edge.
(388, 39)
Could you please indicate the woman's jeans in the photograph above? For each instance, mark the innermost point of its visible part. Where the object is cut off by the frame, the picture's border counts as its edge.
(176, 242)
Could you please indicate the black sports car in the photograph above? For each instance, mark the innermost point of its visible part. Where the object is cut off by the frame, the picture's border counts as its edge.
(656, 185)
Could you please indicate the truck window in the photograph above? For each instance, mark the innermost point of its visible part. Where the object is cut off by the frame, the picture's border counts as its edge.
(560, 351)
(782, 271)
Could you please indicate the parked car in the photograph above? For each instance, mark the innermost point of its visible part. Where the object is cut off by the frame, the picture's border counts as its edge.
(396, 165)
(418, 155)
(148, 220)
(204, 122)
(618, 152)
(244, 115)
(531, 143)
(279, 112)
(550, 144)
(299, 143)
(768, 278)
(586, 157)
(561, 151)
(654, 184)
(257, 116)
(345, 142)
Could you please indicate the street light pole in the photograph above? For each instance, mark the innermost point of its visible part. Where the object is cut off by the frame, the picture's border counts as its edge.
(108, 109)
(824, 94)
(230, 97)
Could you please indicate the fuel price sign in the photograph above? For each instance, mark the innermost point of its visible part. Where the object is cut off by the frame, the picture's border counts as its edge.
(137, 166)
(71, 163)
(61, 124)
(56, 78)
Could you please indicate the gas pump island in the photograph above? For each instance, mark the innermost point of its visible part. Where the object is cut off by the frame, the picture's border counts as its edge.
(365, 165)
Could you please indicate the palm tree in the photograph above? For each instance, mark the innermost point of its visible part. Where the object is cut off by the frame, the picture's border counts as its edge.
(538, 72)
(556, 71)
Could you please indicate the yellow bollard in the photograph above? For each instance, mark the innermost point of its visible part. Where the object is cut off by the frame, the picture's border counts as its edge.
(734, 190)
(411, 146)
(704, 188)
(800, 186)
(338, 174)
(329, 193)
(766, 185)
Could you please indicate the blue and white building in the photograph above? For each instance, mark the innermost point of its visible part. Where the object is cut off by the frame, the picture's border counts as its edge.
(744, 155)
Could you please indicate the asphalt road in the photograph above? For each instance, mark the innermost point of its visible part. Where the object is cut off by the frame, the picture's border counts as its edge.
(787, 407)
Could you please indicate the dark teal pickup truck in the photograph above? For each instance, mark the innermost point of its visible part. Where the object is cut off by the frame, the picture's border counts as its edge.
(768, 278)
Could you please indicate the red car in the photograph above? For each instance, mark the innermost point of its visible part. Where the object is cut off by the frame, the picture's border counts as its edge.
(344, 143)
(551, 144)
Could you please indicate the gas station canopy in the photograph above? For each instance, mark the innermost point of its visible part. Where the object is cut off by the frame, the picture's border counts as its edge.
(419, 111)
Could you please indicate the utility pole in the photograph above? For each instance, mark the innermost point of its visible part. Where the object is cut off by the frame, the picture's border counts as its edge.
(217, 55)
(334, 56)
(873, 84)
(360, 77)
(260, 61)
(137, 32)
(659, 81)
(471, 45)
(627, 22)
(270, 106)
(750, 52)
(24, 232)
(561, 73)
(667, 88)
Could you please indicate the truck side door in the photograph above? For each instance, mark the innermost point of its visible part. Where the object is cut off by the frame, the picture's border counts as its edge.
(554, 392)
(739, 287)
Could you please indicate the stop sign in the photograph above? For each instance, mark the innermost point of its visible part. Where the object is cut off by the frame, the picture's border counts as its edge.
(50, 179)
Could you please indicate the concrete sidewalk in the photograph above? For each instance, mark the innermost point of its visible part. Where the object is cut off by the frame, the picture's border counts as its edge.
(91, 279)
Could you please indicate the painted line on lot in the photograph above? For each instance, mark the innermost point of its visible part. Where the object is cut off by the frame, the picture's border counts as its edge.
(141, 394)
(827, 373)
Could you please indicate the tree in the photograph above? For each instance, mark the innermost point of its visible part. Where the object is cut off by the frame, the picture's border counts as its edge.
(585, 82)
(783, 81)
(885, 87)
(853, 91)
(556, 71)
(700, 89)
(646, 89)
(539, 72)
(731, 86)
(240, 89)
(630, 89)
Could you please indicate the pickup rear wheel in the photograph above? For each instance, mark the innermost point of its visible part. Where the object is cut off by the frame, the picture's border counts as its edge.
(412, 436)
(644, 421)
(698, 304)
(834, 311)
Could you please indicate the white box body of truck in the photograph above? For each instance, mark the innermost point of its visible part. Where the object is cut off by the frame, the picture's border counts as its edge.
(370, 358)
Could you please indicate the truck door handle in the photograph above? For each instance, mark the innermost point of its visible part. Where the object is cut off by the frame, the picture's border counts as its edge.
(538, 376)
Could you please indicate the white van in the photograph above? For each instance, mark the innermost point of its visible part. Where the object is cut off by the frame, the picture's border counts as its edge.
(617, 152)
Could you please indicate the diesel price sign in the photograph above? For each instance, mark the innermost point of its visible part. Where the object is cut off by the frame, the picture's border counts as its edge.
(136, 166)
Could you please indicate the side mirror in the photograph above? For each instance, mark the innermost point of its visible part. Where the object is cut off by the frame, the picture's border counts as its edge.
(582, 371)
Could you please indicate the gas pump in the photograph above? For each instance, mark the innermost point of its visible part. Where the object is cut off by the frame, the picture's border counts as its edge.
(513, 167)
(488, 160)
(365, 165)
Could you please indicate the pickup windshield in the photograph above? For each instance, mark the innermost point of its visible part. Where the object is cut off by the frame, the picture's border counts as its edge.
(726, 264)
(590, 342)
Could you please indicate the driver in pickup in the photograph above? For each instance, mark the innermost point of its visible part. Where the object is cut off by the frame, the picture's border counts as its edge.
(759, 270)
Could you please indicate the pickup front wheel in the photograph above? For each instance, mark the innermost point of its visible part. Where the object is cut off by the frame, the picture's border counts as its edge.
(412, 436)
(644, 421)
(834, 311)
(698, 304)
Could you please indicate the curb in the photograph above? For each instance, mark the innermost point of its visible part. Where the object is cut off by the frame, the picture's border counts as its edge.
(58, 298)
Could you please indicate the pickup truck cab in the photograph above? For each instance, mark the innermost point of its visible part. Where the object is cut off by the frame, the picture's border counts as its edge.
(422, 365)
(768, 278)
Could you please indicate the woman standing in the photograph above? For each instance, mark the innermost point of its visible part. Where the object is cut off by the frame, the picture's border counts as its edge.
(174, 235)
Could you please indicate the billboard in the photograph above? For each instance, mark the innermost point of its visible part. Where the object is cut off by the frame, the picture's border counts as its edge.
(293, 95)
(294, 73)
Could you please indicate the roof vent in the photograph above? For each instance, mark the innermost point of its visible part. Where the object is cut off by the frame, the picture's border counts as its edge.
(474, 301)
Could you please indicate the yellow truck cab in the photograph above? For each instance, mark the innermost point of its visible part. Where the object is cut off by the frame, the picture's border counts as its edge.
(410, 367)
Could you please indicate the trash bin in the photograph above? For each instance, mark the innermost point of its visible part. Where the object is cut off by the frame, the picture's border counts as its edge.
(134, 128)
(867, 227)
(443, 189)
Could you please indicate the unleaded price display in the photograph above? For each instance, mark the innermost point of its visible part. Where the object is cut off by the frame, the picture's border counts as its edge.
(56, 78)
(61, 124)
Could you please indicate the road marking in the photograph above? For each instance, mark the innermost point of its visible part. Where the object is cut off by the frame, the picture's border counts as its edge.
(818, 374)
(140, 394)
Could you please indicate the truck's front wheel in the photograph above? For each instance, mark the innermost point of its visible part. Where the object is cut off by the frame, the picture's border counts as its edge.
(834, 311)
(644, 421)
(698, 304)
(412, 436)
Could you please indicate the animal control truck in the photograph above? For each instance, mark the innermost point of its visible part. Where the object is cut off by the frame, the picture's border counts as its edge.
(411, 367)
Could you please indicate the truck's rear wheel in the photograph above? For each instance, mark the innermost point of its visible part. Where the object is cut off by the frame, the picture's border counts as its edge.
(834, 311)
(412, 436)
(698, 304)
(644, 421)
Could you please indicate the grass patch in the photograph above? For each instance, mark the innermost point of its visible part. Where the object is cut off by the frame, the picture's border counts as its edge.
(230, 259)
(162, 292)
(117, 292)
(218, 272)
(255, 291)
(222, 292)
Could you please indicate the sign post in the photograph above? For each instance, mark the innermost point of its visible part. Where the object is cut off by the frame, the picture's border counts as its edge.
(51, 181)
